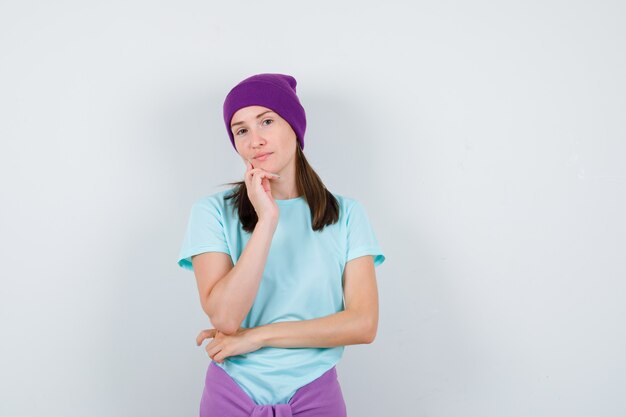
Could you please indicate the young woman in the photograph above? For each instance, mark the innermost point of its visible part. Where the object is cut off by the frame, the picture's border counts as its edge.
(274, 257)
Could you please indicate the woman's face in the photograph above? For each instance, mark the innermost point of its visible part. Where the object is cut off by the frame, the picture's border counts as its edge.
(258, 130)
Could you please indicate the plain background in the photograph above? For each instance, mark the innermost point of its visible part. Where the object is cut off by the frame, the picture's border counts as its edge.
(486, 140)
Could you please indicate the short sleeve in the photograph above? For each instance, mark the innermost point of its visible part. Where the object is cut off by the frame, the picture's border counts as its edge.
(205, 233)
(361, 237)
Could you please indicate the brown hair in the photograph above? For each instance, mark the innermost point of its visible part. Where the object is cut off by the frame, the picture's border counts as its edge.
(323, 205)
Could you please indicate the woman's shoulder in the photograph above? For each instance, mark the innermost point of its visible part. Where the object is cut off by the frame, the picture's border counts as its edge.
(345, 201)
(216, 200)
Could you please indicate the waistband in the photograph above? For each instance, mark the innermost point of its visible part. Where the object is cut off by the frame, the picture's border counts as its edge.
(223, 396)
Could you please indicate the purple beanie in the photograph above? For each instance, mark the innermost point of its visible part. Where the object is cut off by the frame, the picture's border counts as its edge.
(274, 91)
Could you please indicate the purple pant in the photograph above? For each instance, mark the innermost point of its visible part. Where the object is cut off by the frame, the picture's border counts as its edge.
(223, 397)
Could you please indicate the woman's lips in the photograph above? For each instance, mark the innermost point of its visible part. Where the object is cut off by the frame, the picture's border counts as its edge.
(263, 157)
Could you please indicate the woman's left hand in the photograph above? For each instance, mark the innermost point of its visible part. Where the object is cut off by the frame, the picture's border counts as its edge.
(223, 346)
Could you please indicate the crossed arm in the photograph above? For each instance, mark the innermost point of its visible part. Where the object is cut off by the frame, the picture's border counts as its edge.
(356, 324)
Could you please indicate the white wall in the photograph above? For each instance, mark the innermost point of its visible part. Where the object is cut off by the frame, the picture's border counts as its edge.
(486, 140)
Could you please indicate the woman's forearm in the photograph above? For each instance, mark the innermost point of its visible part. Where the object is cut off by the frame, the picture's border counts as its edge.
(232, 297)
(340, 329)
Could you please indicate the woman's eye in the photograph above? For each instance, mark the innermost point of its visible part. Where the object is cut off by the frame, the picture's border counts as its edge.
(268, 120)
(239, 131)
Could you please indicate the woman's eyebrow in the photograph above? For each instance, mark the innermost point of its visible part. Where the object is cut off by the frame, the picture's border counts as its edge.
(258, 115)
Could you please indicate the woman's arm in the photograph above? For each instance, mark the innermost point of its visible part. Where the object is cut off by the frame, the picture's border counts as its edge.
(339, 329)
(356, 324)
(232, 296)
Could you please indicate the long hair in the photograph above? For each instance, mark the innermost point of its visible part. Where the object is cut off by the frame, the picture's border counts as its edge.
(323, 205)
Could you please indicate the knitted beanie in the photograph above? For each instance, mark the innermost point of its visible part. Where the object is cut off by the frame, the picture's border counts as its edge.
(274, 91)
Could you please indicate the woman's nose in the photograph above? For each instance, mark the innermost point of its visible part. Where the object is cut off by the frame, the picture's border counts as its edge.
(257, 138)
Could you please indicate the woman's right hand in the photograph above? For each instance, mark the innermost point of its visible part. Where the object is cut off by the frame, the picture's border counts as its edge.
(259, 191)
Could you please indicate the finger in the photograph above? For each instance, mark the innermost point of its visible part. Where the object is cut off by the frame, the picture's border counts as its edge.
(254, 178)
(263, 174)
(253, 172)
(200, 337)
(266, 184)
(271, 174)
(213, 350)
(204, 334)
(247, 174)
(257, 170)
(219, 356)
(249, 178)
(261, 178)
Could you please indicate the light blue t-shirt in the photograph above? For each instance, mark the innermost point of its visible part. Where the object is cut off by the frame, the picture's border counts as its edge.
(302, 280)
